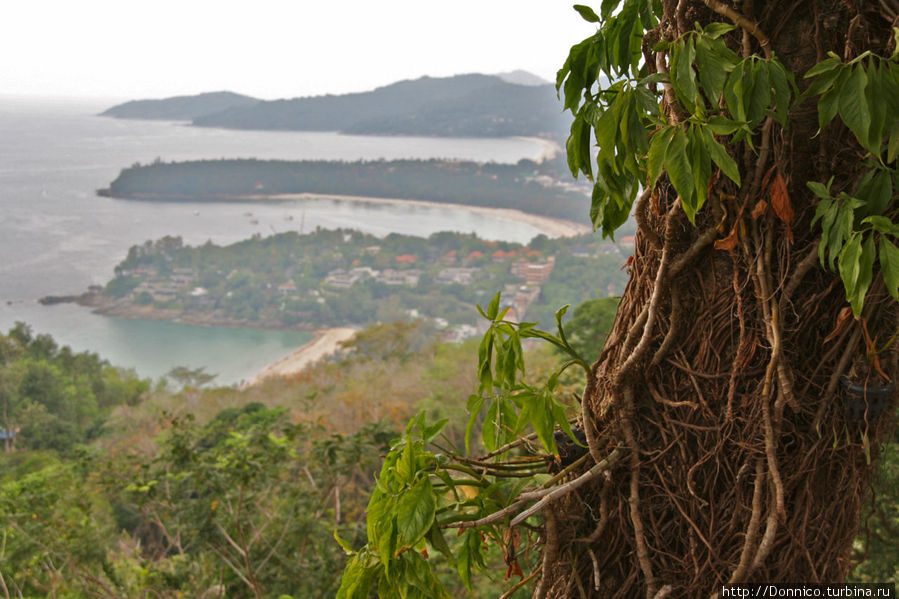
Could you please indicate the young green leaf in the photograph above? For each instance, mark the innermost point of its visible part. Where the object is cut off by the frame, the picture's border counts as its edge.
(415, 512)
(716, 30)
(865, 275)
(680, 171)
(854, 105)
(893, 145)
(702, 168)
(608, 7)
(683, 78)
(656, 157)
(586, 13)
(850, 264)
(720, 156)
(889, 266)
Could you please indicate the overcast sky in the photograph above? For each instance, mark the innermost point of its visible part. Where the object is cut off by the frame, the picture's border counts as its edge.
(271, 48)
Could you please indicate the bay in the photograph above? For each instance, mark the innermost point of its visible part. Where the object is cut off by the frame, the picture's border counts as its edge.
(57, 237)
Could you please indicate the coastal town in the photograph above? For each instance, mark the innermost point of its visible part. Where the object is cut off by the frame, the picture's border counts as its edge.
(338, 278)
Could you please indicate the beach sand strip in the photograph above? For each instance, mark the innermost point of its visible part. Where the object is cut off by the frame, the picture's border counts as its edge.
(325, 343)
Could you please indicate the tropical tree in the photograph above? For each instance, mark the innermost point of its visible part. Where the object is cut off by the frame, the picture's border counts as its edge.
(754, 144)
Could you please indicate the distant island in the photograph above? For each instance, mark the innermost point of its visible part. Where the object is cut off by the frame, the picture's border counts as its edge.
(474, 105)
(333, 278)
(531, 187)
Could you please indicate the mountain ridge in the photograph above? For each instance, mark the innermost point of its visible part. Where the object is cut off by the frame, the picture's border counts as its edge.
(470, 105)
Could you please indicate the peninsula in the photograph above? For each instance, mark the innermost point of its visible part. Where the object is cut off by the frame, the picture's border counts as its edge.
(528, 186)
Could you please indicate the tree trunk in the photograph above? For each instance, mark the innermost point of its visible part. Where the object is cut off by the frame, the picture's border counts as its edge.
(721, 374)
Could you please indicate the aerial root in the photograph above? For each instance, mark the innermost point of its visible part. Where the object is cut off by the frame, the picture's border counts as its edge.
(550, 552)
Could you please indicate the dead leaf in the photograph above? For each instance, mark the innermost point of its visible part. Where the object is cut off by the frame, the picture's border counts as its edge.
(780, 202)
(729, 242)
(843, 318)
(514, 570)
(759, 209)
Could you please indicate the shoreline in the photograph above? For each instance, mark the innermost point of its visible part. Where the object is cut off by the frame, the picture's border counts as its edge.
(325, 343)
(550, 148)
(551, 227)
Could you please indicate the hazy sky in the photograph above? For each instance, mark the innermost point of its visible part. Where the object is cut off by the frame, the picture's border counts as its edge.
(271, 48)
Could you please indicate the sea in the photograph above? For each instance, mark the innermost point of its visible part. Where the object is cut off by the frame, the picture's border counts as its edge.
(57, 236)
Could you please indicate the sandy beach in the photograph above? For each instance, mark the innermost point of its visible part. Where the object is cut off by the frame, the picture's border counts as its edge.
(551, 227)
(325, 343)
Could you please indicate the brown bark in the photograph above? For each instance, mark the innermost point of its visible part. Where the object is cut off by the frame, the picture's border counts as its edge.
(717, 380)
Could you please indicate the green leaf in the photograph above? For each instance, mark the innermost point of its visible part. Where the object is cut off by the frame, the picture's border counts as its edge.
(415, 512)
(680, 170)
(877, 106)
(716, 30)
(876, 191)
(469, 555)
(586, 13)
(493, 308)
(714, 61)
(357, 580)
(819, 189)
(759, 97)
(560, 313)
(841, 230)
(733, 93)
(683, 78)
(345, 545)
(854, 104)
(828, 64)
(889, 266)
(720, 125)
(489, 427)
(893, 146)
(783, 85)
(720, 156)
(428, 433)
(850, 266)
(865, 275)
(438, 541)
(607, 7)
(828, 107)
(474, 409)
(702, 167)
(656, 157)
(883, 225)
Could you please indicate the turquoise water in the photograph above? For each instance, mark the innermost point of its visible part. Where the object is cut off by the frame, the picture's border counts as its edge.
(57, 237)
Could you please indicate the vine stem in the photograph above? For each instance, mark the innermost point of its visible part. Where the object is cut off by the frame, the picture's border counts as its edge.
(742, 22)
(547, 495)
(752, 528)
(550, 551)
(543, 496)
(634, 499)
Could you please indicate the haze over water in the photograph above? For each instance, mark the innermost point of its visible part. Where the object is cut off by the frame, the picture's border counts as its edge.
(57, 237)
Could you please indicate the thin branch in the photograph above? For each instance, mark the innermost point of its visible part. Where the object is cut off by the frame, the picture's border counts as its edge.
(547, 495)
(522, 582)
(742, 22)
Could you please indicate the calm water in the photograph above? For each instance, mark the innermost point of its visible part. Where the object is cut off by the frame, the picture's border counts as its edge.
(57, 237)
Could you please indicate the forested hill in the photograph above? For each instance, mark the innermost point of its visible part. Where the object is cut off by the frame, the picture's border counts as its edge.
(180, 108)
(526, 186)
(471, 105)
